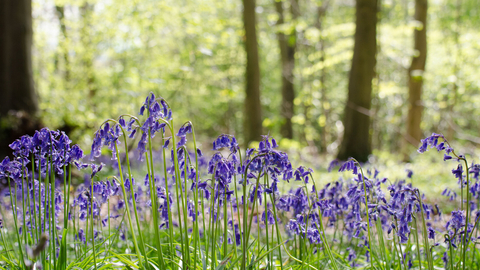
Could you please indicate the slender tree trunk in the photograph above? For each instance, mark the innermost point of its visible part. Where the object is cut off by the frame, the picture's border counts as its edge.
(415, 75)
(18, 102)
(253, 110)
(287, 44)
(356, 138)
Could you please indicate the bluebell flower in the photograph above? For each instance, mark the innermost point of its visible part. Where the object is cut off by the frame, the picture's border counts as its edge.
(226, 141)
(458, 172)
(81, 236)
(267, 217)
(351, 254)
(433, 141)
(96, 169)
(182, 141)
(347, 166)
(431, 233)
(294, 226)
(238, 239)
(445, 259)
(457, 220)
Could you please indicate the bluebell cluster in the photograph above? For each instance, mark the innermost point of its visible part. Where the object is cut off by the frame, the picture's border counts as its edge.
(35, 178)
(212, 189)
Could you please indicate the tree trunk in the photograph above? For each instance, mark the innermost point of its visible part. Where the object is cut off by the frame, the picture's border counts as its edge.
(356, 138)
(287, 44)
(18, 103)
(415, 75)
(253, 117)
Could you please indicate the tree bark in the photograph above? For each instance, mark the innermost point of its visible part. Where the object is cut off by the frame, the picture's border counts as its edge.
(356, 138)
(18, 102)
(415, 75)
(253, 117)
(287, 44)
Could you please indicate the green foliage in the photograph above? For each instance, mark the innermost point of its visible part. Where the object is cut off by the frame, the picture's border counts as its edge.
(114, 52)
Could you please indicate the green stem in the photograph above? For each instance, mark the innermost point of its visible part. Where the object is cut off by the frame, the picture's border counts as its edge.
(197, 172)
(273, 200)
(397, 252)
(154, 200)
(137, 220)
(269, 257)
(91, 227)
(417, 241)
(323, 234)
(184, 242)
(36, 221)
(283, 243)
(368, 216)
(213, 222)
(170, 224)
(127, 207)
(451, 254)
(52, 213)
(15, 215)
(24, 231)
(225, 228)
(425, 233)
(254, 203)
(467, 217)
(183, 188)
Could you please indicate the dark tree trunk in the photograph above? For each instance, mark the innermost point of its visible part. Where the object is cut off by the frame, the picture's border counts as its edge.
(287, 44)
(18, 101)
(253, 116)
(415, 75)
(356, 138)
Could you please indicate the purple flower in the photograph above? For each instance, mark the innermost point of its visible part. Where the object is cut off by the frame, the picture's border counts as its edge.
(445, 259)
(348, 165)
(237, 235)
(226, 141)
(458, 172)
(457, 220)
(431, 233)
(433, 141)
(351, 254)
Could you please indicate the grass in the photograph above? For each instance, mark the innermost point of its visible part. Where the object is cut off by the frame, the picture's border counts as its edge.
(164, 205)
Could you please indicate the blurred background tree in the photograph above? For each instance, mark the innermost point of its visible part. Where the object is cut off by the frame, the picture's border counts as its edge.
(415, 76)
(252, 127)
(356, 137)
(18, 101)
(287, 44)
(94, 59)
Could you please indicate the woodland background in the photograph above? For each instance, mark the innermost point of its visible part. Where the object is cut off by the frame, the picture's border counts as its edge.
(310, 73)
